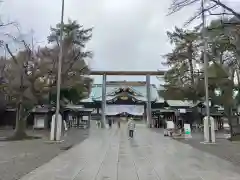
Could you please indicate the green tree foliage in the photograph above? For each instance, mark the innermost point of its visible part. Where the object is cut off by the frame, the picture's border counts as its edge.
(74, 93)
(181, 61)
(75, 57)
(223, 56)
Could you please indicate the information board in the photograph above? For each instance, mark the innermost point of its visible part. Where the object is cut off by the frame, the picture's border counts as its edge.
(187, 130)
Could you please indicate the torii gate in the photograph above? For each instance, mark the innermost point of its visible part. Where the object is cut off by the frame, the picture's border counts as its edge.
(148, 74)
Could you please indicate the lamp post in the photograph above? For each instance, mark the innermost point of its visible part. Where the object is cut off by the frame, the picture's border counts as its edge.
(59, 75)
(205, 68)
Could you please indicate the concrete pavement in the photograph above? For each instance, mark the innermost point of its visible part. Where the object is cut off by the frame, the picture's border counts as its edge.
(109, 155)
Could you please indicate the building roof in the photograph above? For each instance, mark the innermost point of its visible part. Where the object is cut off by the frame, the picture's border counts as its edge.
(128, 109)
(179, 103)
(139, 89)
(140, 93)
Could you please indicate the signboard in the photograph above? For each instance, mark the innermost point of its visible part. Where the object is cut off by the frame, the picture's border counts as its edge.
(187, 130)
(182, 110)
(85, 118)
(39, 122)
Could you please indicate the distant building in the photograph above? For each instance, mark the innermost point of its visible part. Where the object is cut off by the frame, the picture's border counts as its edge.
(129, 98)
(123, 97)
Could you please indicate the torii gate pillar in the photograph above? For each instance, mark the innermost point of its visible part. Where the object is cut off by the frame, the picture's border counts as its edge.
(149, 109)
(103, 109)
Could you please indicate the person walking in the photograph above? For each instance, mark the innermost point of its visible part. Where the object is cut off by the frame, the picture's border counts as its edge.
(119, 123)
(131, 127)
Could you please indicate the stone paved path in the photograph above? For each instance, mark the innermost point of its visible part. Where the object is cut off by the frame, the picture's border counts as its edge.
(109, 155)
(223, 148)
(18, 158)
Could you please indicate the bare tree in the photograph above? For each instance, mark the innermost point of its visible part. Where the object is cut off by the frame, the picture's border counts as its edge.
(214, 8)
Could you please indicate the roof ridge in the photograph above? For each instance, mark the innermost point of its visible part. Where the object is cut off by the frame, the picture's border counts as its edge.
(100, 85)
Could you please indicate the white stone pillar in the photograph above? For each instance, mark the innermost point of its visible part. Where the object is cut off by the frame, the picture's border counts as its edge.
(58, 131)
(213, 137)
(206, 129)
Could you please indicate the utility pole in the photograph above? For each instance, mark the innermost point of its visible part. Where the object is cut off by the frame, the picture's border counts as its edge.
(59, 74)
(204, 36)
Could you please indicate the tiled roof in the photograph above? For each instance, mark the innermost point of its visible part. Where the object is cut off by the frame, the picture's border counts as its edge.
(179, 103)
(140, 90)
(86, 100)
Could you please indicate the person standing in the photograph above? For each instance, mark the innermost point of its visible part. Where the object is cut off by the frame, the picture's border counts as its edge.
(165, 127)
(98, 123)
(131, 127)
(109, 123)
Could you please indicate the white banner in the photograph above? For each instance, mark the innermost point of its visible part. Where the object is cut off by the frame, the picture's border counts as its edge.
(182, 110)
(130, 109)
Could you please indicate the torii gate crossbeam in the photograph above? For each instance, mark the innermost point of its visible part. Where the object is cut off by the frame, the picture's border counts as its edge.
(128, 73)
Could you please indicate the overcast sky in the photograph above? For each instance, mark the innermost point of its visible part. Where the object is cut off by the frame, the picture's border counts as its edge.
(128, 34)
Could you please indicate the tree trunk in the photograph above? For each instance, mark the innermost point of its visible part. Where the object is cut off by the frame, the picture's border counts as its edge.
(20, 128)
(191, 71)
(228, 111)
(221, 58)
(232, 75)
(238, 77)
(191, 68)
(190, 60)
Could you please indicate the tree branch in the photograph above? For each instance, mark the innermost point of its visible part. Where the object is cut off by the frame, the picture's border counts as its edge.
(7, 24)
(199, 13)
(11, 54)
(218, 2)
(220, 14)
(178, 5)
(71, 63)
